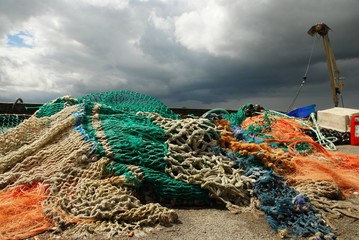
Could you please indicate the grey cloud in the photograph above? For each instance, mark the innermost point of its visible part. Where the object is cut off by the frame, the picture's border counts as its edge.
(261, 56)
(16, 12)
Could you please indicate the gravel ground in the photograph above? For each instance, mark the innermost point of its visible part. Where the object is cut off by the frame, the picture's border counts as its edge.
(221, 224)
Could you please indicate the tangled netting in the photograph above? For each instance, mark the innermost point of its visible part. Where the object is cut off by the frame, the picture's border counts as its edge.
(108, 164)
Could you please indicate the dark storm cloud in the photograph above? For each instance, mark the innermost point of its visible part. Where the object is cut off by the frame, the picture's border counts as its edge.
(186, 53)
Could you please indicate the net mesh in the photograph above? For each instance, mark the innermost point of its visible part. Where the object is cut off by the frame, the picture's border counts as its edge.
(111, 163)
(8, 121)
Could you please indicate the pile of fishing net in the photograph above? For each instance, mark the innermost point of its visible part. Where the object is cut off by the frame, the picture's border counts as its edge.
(108, 164)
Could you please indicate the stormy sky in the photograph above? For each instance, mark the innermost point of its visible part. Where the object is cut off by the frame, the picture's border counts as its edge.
(187, 53)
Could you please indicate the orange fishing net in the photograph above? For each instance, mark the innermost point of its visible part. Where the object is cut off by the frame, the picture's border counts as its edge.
(315, 163)
(276, 158)
(283, 130)
(21, 211)
(340, 171)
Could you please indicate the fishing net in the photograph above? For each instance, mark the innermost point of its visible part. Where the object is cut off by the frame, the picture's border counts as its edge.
(25, 201)
(319, 180)
(83, 196)
(8, 121)
(191, 156)
(107, 164)
(300, 157)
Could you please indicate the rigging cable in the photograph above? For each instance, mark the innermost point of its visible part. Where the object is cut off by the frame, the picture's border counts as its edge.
(304, 78)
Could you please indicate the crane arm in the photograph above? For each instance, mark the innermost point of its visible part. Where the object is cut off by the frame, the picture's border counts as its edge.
(322, 30)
